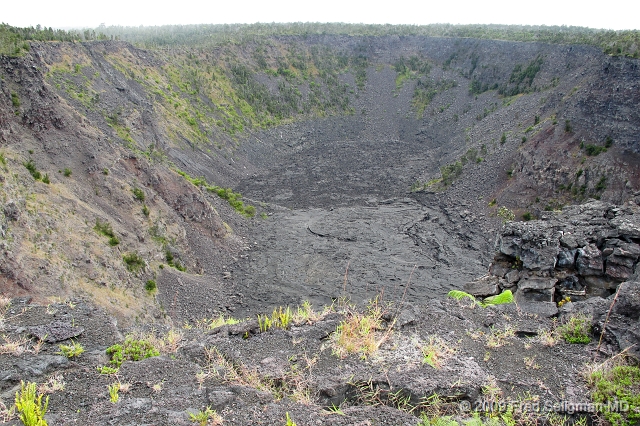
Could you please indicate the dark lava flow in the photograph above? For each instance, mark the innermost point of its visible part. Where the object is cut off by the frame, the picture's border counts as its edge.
(347, 203)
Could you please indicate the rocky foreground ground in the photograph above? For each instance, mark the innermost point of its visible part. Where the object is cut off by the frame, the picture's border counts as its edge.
(381, 363)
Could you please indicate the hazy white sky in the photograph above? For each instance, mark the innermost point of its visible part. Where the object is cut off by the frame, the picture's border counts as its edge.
(611, 14)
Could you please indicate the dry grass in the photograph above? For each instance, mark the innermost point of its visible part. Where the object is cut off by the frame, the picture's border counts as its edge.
(7, 413)
(294, 383)
(15, 347)
(55, 383)
(125, 387)
(499, 338)
(211, 323)
(166, 344)
(436, 352)
(547, 337)
(491, 390)
(530, 363)
(306, 315)
(361, 333)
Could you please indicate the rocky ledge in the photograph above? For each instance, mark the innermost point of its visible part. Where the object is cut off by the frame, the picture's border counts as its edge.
(581, 252)
(585, 253)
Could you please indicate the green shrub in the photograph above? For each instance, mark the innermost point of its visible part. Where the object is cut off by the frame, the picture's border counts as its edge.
(138, 194)
(206, 417)
(173, 262)
(15, 100)
(73, 350)
(567, 126)
(133, 261)
(104, 228)
(150, 285)
(30, 165)
(145, 210)
(576, 330)
(593, 150)
(450, 172)
(114, 390)
(29, 405)
(280, 318)
(503, 139)
(499, 299)
(131, 350)
(105, 369)
(608, 142)
(66, 172)
(602, 184)
(45, 179)
(527, 216)
(249, 211)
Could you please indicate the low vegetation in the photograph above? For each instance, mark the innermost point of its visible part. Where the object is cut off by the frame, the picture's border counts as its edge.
(31, 409)
(30, 165)
(130, 350)
(499, 299)
(173, 262)
(233, 198)
(150, 286)
(615, 386)
(114, 392)
(577, 329)
(206, 417)
(133, 262)
(72, 350)
(104, 228)
(436, 352)
(361, 332)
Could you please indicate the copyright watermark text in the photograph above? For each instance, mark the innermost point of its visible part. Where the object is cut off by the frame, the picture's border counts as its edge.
(569, 407)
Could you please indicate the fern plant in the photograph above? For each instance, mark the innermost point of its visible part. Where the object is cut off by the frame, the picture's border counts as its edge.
(499, 299)
(30, 406)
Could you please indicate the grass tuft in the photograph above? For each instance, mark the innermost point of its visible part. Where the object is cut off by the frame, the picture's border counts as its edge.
(207, 417)
(75, 349)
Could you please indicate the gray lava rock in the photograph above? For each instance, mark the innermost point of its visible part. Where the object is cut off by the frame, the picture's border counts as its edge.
(482, 287)
(571, 285)
(535, 290)
(499, 269)
(41, 364)
(566, 259)
(57, 331)
(628, 301)
(12, 210)
(543, 309)
(536, 283)
(513, 276)
(569, 241)
(628, 225)
(589, 260)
